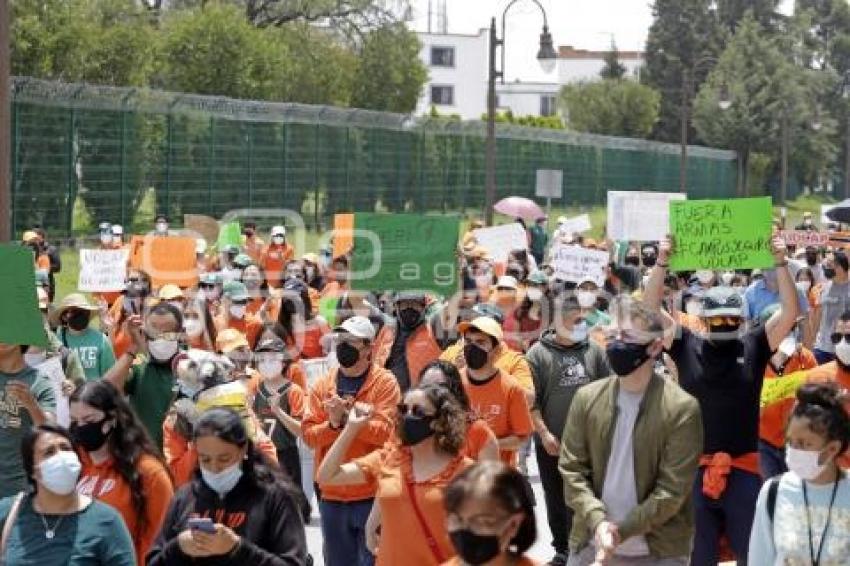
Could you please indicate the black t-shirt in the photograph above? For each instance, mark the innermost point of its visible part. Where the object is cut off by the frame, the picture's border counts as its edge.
(397, 360)
(727, 383)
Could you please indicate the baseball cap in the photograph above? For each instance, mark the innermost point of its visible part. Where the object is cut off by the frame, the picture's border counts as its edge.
(273, 344)
(171, 291)
(230, 339)
(359, 327)
(236, 291)
(278, 231)
(489, 310)
(722, 301)
(483, 324)
(210, 278)
(506, 282)
(243, 260)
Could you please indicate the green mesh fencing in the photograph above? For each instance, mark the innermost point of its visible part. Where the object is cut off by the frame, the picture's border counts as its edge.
(106, 149)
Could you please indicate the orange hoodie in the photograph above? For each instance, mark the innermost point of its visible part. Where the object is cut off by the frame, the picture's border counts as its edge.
(507, 360)
(104, 483)
(380, 389)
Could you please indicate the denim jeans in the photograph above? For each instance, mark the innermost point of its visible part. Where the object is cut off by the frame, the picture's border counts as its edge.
(344, 532)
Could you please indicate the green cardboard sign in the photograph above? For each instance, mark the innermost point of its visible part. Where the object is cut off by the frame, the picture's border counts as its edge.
(229, 234)
(21, 321)
(721, 234)
(405, 252)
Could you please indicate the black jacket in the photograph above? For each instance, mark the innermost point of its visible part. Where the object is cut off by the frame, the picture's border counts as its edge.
(266, 517)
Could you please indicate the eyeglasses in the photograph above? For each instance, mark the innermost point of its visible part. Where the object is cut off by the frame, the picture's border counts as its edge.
(415, 410)
(837, 337)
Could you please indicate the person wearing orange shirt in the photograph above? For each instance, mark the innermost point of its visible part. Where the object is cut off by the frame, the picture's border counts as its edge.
(234, 313)
(251, 243)
(506, 295)
(121, 467)
(411, 474)
(494, 395)
(275, 255)
(345, 509)
(40, 258)
(490, 516)
(305, 331)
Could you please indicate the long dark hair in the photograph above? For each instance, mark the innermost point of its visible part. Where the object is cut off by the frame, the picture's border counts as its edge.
(450, 419)
(128, 440)
(453, 381)
(288, 309)
(28, 448)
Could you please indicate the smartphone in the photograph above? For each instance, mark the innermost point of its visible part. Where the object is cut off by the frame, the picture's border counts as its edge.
(204, 525)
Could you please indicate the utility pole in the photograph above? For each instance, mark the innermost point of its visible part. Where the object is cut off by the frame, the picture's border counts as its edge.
(5, 129)
(490, 149)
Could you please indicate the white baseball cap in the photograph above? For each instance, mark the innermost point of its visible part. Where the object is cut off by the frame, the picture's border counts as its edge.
(507, 282)
(117, 230)
(278, 231)
(359, 327)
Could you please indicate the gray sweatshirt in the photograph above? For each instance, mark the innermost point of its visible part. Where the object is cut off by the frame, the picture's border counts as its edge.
(558, 372)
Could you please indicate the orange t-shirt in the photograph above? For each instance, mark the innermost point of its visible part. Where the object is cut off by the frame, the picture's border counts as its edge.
(253, 246)
(403, 540)
(478, 435)
(273, 260)
(774, 417)
(42, 263)
(523, 561)
(250, 326)
(104, 483)
(502, 403)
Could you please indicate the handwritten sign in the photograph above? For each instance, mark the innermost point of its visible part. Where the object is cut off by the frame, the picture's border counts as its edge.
(803, 238)
(576, 225)
(343, 233)
(405, 252)
(639, 215)
(577, 264)
(500, 240)
(721, 234)
(167, 259)
(52, 369)
(102, 270)
(20, 319)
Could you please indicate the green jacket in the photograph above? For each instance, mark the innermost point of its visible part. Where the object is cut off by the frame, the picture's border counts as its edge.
(668, 444)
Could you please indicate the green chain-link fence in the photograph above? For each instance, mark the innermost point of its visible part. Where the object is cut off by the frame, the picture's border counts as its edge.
(107, 148)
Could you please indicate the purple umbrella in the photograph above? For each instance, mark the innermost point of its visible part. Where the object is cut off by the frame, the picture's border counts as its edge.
(519, 207)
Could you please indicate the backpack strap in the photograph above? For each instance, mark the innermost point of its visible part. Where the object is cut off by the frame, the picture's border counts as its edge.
(772, 490)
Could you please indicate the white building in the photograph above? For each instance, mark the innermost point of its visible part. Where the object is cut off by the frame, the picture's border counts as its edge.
(457, 77)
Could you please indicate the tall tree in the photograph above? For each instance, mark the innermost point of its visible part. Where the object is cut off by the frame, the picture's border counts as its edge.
(683, 37)
(611, 107)
(731, 12)
(390, 74)
(613, 69)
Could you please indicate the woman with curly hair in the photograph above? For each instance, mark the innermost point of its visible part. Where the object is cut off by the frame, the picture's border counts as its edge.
(121, 467)
(411, 474)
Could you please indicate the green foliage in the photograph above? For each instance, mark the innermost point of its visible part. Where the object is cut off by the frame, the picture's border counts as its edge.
(390, 75)
(507, 117)
(611, 107)
(613, 69)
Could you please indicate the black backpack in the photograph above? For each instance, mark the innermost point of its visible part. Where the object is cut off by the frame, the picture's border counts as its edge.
(772, 490)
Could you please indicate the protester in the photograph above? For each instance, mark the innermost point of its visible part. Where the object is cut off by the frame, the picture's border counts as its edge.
(765, 292)
(53, 256)
(469, 241)
(480, 443)
(92, 346)
(524, 325)
(275, 255)
(834, 299)
(337, 279)
(539, 239)
(490, 516)
(251, 242)
(724, 369)
(120, 465)
(630, 451)
(344, 509)
(807, 224)
(493, 394)
(405, 343)
(258, 288)
(801, 516)
(313, 270)
(410, 477)
(199, 326)
(134, 301)
(68, 359)
(161, 225)
(305, 331)
(41, 261)
(51, 524)
(563, 361)
(253, 512)
(234, 313)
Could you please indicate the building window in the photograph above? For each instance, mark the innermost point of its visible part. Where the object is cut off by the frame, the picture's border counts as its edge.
(442, 95)
(547, 105)
(442, 56)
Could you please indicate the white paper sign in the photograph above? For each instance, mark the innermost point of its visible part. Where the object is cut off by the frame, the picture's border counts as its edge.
(639, 215)
(102, 270)
(577, 264)
(824, 208)
(52, 368)
(500, 240)
(576, 225)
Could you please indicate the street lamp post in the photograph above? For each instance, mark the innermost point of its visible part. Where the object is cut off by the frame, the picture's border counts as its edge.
(547, 57)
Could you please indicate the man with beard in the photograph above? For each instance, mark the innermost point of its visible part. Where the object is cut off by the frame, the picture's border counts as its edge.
(724, 370)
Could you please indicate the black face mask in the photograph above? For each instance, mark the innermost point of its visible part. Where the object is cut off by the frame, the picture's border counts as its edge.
(409, 318)
(347, 355)
(632, 260)
(415, 429)
(649, 260)
(811, 259)
(724, 333)
(78, 320)
(89, 435)
(474, 548)
(828, 272)
(626, 358)
(475, 356)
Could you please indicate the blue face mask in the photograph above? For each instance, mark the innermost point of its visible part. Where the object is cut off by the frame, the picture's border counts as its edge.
(579, 332)
(224, 481)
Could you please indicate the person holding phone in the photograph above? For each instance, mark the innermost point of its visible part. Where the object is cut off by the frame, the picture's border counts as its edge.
(237, 509)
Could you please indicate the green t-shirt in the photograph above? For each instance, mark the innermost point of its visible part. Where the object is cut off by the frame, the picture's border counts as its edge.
(150, 388)
(94, 536)
(15, 421)
(93, 348)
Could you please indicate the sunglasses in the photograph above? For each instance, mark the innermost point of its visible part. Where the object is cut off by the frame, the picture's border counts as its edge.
(837, 337)
(239, 303)
(415, 410)
(207, 285)
(723, 320)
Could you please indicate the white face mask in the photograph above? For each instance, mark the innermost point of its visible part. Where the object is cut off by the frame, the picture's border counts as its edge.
(237, 311)
(704, 276)
(278, 240)
(224, 481)
(534, 294)
(105, 239)
(586, 299)
(727, 278)
(193, 327)
(270, 368)
(162, 350)
(60, 472)
(33, 359)
(842, 352)
(804, 463)
(804, 286)
(161, 227)
(579, 333)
